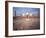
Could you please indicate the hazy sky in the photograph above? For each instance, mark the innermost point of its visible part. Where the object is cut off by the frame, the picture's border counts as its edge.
(21, 10)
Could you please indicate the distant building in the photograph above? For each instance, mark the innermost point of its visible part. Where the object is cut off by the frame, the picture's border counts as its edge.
(27, 14)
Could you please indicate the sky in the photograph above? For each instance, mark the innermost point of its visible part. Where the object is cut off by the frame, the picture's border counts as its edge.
(21, 10)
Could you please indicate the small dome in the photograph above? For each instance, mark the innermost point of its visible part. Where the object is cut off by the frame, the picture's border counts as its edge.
(30, 14)
(23, 14)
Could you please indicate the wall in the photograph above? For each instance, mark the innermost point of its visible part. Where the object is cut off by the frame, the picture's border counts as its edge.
(2, 19)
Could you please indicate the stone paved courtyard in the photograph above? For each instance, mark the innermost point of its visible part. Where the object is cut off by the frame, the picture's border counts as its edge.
(26, 23)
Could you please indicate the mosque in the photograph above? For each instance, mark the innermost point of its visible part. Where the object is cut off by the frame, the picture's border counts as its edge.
(27, 14)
